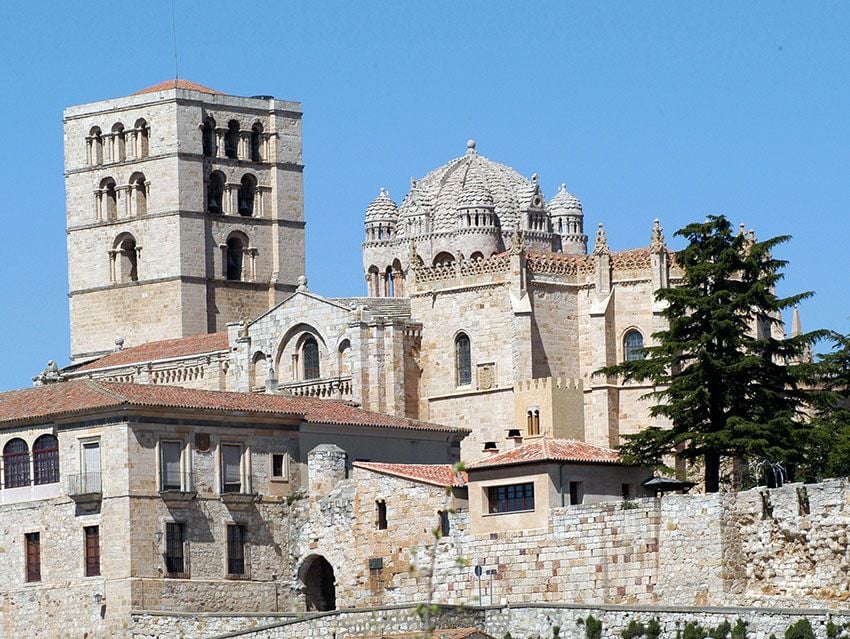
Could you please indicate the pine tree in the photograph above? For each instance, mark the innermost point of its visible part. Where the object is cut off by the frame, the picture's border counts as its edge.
(720, 375)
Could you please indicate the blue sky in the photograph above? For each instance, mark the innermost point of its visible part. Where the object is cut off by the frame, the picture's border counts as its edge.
(672, 110)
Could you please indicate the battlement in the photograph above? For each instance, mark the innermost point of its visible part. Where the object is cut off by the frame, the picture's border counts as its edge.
(543, 383)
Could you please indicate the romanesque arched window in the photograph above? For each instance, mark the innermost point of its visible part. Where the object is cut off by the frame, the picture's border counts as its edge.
(247, 192)
(107, 200)
(138, 194)
(231, 140)
(235, 254)
(257, 142)
(310, 357)
(208, 138)
(215, 193)
(261, 370)
(45, 460)
(16, 464)
(125, 263)
(443, 259)
(95, 141)
(142, 138)
(344, 358)
(463, 360)
(632, 346)
(119, 149)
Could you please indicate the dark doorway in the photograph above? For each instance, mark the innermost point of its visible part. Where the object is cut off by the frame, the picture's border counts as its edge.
(318, 578)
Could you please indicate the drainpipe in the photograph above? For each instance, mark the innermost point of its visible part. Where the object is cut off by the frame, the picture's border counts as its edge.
(561, 483)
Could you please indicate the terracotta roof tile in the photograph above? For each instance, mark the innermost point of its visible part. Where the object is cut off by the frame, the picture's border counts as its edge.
(434, 474)
(163, 349)
(83, 396)
(188, 85)
(548, 449)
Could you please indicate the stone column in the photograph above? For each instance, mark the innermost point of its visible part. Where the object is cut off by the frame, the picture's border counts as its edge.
(219, 142)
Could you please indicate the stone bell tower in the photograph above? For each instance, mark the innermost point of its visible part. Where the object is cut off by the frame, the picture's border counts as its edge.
(185, 211)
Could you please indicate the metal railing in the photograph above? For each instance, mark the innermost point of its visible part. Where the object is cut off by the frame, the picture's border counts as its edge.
(177, 483)
(84, 484)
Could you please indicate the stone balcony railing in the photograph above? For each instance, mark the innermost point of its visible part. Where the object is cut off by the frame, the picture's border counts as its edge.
(327, 388)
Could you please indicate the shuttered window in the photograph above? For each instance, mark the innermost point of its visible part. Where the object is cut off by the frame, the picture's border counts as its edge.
(33, 543)
(91, 535)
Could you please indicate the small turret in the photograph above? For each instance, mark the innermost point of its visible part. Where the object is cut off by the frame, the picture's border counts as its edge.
(381, 218)
(568, 221)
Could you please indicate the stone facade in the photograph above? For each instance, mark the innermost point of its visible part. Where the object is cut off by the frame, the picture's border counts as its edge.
(158, 185)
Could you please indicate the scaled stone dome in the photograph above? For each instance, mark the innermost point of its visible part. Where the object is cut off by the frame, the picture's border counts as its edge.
(467, 181)
(564, 203)
(382, 208)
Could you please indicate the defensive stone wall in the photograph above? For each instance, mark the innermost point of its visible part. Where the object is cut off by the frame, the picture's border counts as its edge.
(569, 621)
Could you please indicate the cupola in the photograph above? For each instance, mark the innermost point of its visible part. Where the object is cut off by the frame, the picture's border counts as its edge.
(568, 221)
(381, 218)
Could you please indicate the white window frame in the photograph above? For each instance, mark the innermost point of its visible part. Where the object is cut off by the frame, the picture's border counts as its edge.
(285, 468)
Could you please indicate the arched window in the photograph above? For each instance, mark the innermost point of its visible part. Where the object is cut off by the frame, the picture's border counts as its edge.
(310, 357)
(119, 151)
(16, 464)
(45, 460)
(208, 138)
(235, 253)
(126, 258)
(138, 194)
(478, 255)
(444, 259)
(373, 280)
(108, 200)
(533, 421)
(231, 140)
(256, 142)
(95, 146)
(247, 190)
(261, 370)
(215, 193)
(463, 360)
(632, 346)
(389, 286)
(344, 363)
(142, 138)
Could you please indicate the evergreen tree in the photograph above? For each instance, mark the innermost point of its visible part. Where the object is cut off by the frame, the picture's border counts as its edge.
(720, 375)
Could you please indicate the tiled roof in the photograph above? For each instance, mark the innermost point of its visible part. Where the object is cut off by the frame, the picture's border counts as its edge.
(548, 449)
(84, 396)
(163, 349)
(188, 85)
(434, 474)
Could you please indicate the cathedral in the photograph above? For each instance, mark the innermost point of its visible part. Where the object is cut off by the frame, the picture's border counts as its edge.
(483, 307)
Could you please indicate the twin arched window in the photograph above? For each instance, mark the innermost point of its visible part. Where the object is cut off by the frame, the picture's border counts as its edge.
(463, 360)
(45, 462)
(232, 140)
(218, 195)
(633, 346)
(119, 142)
(107, 195)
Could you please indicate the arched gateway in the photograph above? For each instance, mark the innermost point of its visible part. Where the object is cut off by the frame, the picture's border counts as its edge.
(317, 575)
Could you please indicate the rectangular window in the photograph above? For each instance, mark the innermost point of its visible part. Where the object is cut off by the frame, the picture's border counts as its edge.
(627, 491)
(280, 467)
(91, 536)
(33, 544)
(381, 514)
(445, 526)
(90, 478)
(576, 493)
(231, 468)
(235, 549)
(511, 498)
(175, 537)
(170, 454)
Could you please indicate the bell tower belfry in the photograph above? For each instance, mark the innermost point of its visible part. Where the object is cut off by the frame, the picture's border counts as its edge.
(185, 211)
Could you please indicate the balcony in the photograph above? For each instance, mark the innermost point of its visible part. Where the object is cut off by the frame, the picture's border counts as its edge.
(177, 487)
(85, 487)
(233, 494)
(327, 388)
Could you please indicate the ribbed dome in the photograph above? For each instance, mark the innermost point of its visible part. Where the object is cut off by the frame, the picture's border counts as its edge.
(564, 203)
(382, 208)
(464, 180)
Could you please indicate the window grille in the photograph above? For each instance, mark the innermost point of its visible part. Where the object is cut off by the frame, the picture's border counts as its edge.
(633, 346)
(16, 464)
(174, 556)
(45, 459)
(236, 549)
(311, 359)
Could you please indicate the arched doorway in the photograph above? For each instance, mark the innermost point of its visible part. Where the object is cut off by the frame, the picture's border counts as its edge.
(317, 575)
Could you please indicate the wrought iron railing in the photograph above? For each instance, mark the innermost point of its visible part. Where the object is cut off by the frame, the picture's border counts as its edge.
(84, 484)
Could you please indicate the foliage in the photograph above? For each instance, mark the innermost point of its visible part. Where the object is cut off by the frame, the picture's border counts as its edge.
(694, 631)
(739, 630)
(802, 629)
(720, 375)
(634, 630)
(592, 628)
(653, 629)
(721, 631)
(828, 449)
